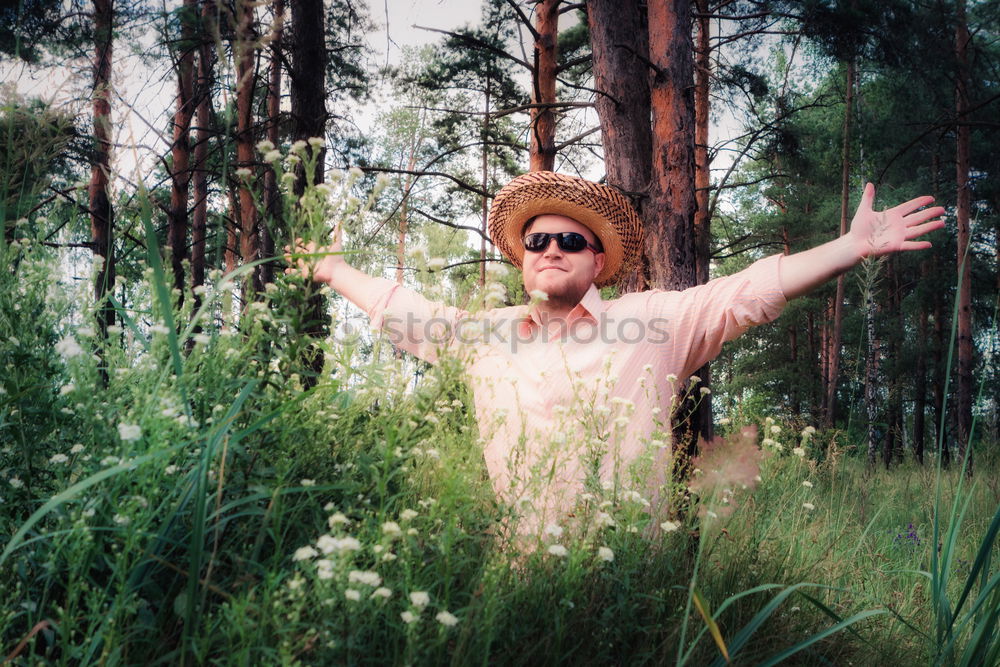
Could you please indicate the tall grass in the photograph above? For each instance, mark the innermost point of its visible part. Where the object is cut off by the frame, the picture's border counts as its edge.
(205, 507)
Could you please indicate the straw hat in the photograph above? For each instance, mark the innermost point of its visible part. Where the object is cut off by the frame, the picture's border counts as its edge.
(600, 208)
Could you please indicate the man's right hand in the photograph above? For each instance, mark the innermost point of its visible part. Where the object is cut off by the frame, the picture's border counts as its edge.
(317, 263)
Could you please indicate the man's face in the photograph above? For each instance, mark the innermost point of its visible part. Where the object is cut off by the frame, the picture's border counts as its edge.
(564, 276)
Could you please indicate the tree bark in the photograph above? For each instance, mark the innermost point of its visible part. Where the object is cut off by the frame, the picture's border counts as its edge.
(920, 375)
(543, 119)
(670, 215)
(180, 150)
(619, 42)
(101, 211)
(244, 54)
(203, 122)
(962, 210)
(838, 300)
(309, 117)
(702, 182)
(669, 242)
(871, 378)
(272, 218)
(308, 79)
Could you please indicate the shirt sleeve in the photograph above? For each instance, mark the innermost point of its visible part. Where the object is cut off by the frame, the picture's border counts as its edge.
(704, 317)
(422, 327)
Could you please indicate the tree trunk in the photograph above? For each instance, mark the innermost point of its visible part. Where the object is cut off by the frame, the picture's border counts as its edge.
(962, 208)
(619, 42)
(893, 367)
(702, 183)
(203, 122)
(920, 372)
(871, 379)
(272, 219)
(838, 301)
(670, 215)
(101, 212)
(543, 120)
(180, 151)
(669, 242)
(243, 53)
(484, 134)
(308, 89)
(309, 117)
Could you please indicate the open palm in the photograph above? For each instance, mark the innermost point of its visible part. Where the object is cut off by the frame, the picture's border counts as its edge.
(879, 233)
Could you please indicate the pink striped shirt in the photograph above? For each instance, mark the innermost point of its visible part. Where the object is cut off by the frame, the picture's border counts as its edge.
(581, 408)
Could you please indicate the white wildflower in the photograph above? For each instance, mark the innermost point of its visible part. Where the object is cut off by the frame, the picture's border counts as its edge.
(558, 550)
(407, 514)
(806, 483)
(382, 592)
(66, 389)
(59, 458)
(122, 520)
(338, 519)
(307, 482)
(365, 577)
(605, 554)
(670, 526)
(16, 482)
(809, 506)
(304, 553)
(129, 432)
(798, 451)
(76, 449)
(553, 530)
(324, 568)
(408, 617)
(391, 528)
(420, 599)
(446, 618)
(328, 544)
(271, 156)
(352, 594)
(538, 295)
(68, 348)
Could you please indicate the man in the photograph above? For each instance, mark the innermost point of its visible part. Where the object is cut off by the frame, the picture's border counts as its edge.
(573, 394)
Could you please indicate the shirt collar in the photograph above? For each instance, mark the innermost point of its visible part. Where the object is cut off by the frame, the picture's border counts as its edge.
(591, 305)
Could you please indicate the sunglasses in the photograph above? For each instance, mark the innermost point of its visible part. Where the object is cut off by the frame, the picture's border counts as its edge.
(567, 242)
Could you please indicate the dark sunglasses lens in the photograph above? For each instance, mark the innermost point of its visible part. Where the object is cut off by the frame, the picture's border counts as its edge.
(567, 241)
(536, 242)
(572, 242)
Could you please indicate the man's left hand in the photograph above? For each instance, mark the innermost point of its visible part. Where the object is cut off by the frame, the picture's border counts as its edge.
(877, 233)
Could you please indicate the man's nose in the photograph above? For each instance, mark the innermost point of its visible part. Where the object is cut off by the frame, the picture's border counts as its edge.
(553, 247)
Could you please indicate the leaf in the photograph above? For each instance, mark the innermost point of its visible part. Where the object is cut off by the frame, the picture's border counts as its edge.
(702, 606)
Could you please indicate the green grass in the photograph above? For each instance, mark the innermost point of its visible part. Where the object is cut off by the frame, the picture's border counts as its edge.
(177, 543)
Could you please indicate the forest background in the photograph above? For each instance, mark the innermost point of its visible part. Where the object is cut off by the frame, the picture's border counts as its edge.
(171, 403)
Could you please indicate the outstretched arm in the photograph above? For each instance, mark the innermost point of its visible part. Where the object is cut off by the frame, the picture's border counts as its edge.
(327, 265)
(872, 234)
